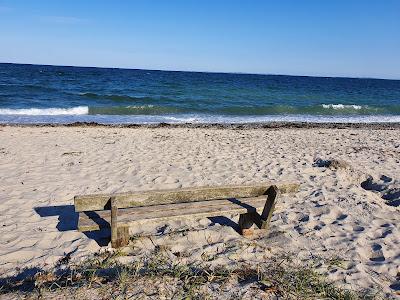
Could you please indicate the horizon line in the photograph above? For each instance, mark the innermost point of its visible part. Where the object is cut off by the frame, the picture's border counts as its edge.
(197, 71)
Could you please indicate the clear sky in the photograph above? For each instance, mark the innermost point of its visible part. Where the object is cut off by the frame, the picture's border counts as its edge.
(358, 38)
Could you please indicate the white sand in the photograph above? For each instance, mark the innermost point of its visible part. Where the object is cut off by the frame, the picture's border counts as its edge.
(332, 216)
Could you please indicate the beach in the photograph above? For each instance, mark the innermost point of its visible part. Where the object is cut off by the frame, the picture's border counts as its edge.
(347, 211)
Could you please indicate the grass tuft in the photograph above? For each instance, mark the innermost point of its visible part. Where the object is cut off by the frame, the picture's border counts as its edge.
(104, 276)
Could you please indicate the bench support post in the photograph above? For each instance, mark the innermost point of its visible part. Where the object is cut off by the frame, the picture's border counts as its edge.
(266, 215)
(119, 234)
(247, 220)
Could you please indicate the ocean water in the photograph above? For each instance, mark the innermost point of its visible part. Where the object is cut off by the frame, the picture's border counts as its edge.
(53, 94)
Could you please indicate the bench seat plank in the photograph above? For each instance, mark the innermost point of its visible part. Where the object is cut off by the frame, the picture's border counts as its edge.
(135, 199)
(90, 221)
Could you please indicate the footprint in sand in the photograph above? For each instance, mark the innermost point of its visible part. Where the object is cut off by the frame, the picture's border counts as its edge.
(395, 286)
(386, 187)
(358, 228)
(341, 217)
(377, 253)
(386, 233)
(304, 218)
(319, 226)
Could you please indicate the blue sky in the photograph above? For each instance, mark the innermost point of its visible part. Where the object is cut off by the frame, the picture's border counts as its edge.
(358, 38)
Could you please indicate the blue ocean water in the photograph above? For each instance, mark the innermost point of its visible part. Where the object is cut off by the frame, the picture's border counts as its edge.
(53, 94)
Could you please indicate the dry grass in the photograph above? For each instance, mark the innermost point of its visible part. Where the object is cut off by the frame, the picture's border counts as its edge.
(102, 276)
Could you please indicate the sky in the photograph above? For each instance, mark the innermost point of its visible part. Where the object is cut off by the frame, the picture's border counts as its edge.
(355, 38)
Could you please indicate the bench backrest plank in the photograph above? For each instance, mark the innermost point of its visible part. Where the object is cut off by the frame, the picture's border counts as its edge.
(133, 199)
(191, 210)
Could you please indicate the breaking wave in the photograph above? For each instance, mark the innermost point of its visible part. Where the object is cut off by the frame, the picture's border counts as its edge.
(343, 106)
(79, 110)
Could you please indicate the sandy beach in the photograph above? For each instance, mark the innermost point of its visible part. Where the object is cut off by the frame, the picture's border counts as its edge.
(349, 213)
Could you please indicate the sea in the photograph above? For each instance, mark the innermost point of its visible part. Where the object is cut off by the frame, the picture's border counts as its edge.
(37, 94)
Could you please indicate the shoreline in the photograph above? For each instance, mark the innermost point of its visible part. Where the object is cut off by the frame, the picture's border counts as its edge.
(236, 126)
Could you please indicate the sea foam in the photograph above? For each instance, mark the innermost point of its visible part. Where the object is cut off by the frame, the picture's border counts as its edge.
(192, 118)
(79, 110)
(342, 106)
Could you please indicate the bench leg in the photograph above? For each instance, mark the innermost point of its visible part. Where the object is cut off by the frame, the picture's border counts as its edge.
(246, 222)
(273, 194)
(123, 236)
(119, 234)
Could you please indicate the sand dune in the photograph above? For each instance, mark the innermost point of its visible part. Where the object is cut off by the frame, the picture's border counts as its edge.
(346, 212)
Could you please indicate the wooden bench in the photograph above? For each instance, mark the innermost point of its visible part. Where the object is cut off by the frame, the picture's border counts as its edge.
(254, 203)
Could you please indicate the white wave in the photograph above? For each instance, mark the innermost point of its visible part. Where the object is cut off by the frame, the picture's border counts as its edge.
(220, 119)
(78, 110)
(341, 106)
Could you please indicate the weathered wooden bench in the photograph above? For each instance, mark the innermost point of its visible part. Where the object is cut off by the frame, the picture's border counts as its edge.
(254, 203)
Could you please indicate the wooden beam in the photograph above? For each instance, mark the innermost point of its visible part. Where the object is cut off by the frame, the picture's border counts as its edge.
(134, 199)
(248, 220)
(266, 215)
(114, 222)
(246, 223)
(90, 221)
(119, 234)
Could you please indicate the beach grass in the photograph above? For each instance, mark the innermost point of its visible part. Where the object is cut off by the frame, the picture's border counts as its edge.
(104, 276)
